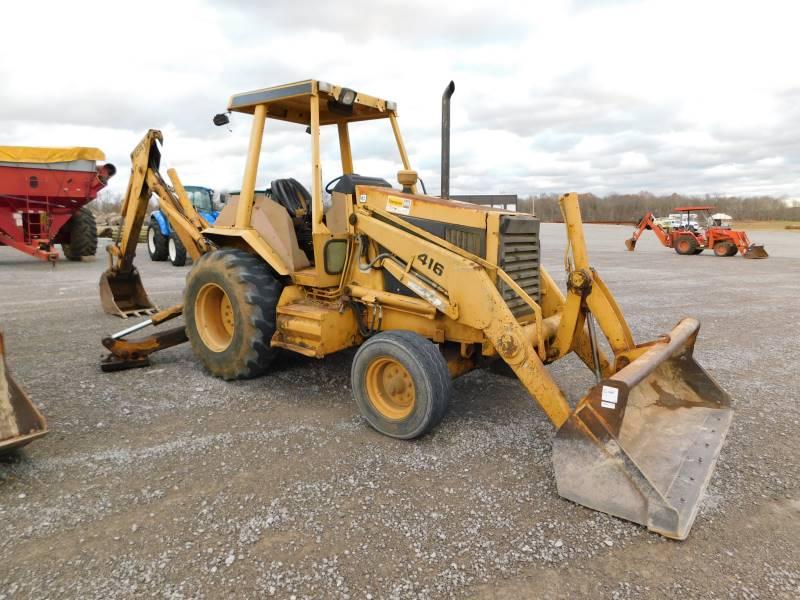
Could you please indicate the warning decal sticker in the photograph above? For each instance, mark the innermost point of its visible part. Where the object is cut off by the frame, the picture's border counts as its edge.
(400, 206)
(608, 398)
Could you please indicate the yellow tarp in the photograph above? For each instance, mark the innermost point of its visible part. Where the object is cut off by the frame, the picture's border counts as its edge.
(31, 154)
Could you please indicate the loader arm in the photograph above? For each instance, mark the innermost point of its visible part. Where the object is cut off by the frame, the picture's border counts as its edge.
(121, 289)
(460, 285)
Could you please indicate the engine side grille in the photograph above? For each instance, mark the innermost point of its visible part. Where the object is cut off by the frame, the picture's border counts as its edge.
(518, 255)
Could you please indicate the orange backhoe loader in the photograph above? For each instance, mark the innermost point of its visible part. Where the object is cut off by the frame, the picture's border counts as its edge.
(688, 237)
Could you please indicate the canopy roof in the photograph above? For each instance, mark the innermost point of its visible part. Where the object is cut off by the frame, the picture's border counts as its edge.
(33, 154)
(291, 102)
(690, 208)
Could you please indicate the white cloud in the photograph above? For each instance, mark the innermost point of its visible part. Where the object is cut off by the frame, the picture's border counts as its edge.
(665, 95)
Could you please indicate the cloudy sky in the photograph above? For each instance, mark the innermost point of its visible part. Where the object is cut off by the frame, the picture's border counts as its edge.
(699, 96)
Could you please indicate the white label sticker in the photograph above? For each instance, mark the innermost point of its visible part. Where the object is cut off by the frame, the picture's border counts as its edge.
(400, 206)
(362, 198)
(610, 405)
(609, 394)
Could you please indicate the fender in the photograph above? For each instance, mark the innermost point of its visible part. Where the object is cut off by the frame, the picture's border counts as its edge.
(163, 224)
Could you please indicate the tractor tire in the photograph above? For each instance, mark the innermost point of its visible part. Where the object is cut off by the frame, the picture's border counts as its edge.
(176, 250)
(724, 249)
(401, 384)
(685, 245)
(732, 250)
(82, 235)
(156, 242)
(230, 306)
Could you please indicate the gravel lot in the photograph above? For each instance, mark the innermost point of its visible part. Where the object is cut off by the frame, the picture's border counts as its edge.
(167, 482)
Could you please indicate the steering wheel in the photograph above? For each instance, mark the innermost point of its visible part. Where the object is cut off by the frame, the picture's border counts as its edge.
(331, 182)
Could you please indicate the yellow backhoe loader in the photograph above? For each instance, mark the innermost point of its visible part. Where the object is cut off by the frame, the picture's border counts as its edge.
(20, 420)
(427, 288)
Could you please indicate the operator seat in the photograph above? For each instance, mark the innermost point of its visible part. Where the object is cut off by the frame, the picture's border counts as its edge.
(294, 197)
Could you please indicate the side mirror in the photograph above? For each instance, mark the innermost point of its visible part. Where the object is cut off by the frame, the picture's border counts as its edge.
(221, 119)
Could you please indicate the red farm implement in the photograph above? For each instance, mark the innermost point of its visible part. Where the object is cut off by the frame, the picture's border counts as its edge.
(43, 193)
(686, 235)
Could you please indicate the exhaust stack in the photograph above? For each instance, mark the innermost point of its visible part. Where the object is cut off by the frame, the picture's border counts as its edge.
(448, 92)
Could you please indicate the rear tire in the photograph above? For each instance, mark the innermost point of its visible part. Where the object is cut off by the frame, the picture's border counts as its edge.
(685, 245)
(176, 250)
(401, 384)
(230, 305)
(724, 249)
(156, 242)
(82, 235)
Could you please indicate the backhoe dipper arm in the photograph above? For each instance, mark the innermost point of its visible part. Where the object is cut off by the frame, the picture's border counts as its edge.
(647, 222)
(144, 182)
(121, 289)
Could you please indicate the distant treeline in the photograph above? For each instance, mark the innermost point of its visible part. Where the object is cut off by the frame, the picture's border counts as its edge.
(631, 207)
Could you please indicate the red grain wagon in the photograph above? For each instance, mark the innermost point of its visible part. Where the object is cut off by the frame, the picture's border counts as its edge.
(43, 197)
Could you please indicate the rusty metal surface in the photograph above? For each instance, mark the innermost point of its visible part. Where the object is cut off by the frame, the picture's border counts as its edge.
(20, 421)
(122, 294)
(642, 445)
(126, 354)
(756, 251)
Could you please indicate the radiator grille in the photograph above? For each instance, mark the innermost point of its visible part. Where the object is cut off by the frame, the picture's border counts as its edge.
(518, 255)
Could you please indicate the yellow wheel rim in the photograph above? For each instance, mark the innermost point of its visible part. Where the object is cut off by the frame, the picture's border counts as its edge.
(390, 388)
(213, 315)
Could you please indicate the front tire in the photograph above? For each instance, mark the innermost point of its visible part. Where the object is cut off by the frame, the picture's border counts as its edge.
(725, 249)
(176, 250)
(82, 235)
(156, 242)
(230, 305)
(401, 384)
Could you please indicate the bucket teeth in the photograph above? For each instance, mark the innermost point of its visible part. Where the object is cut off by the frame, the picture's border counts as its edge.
(123, 295)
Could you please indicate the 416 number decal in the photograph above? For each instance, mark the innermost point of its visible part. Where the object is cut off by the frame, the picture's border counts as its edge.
(432, 265)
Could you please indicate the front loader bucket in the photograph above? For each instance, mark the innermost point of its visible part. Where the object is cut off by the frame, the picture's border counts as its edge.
(630, 244)
(122, 294)
(20, 421)
(643, 443)
(755, 251)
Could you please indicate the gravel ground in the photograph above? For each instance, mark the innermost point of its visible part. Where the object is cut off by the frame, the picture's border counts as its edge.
(167, 482)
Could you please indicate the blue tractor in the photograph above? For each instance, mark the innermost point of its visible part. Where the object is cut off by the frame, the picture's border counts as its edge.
(162, 243)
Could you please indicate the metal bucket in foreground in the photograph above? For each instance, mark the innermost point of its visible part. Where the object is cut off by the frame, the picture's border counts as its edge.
(122, 294)
(630, 244)
(20, 421)
(642, 444)
(756, 251)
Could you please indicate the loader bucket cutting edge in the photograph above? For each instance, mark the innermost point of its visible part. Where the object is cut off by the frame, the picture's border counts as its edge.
(122, 294)
(630, 244)
(20, 421)
(756, 252)
(642, 444)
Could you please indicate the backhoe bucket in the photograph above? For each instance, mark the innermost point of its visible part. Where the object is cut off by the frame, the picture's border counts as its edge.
(20, 421)
(755, 251)
(643, 443)
(122, 294)
(630, 244)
